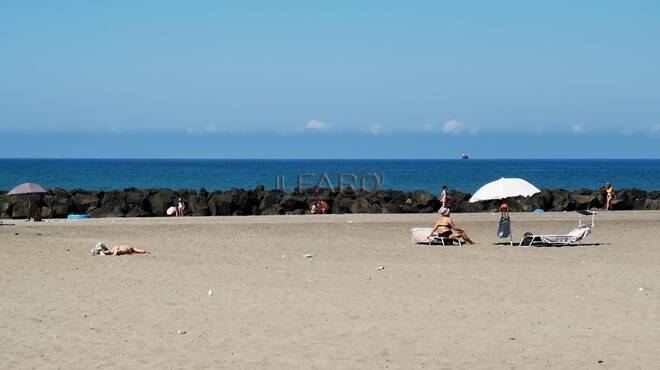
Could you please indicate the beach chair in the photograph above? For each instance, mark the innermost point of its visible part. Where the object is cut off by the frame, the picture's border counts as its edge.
(420, 235)
(575, 236)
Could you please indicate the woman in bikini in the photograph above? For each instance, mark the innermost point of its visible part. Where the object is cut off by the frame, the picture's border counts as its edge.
(446, 228)
(610, 196)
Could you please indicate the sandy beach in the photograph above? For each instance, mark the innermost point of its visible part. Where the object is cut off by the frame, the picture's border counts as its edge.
(489, 306)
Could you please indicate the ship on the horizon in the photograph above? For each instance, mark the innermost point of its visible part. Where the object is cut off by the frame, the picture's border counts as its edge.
(465, 156)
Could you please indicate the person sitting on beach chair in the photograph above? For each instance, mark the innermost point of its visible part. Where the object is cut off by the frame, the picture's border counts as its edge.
(117, 250)
(446, 228)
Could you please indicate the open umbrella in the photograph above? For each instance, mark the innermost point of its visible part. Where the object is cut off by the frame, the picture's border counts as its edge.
(27, 189)
(504, 188)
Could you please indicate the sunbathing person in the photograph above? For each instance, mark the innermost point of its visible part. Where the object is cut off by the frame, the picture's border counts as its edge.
(446, 228)
(117, 250)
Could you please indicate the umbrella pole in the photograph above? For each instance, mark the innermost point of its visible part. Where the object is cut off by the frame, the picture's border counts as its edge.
(28, 209)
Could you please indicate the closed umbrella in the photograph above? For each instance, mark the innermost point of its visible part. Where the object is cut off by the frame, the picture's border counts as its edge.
(27, 189)
(504, 188)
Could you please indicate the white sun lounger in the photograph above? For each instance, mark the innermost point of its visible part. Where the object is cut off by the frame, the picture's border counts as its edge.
(420, 235)
(573, 237)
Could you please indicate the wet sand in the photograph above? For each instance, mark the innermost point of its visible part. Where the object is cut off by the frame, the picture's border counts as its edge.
(490, 306)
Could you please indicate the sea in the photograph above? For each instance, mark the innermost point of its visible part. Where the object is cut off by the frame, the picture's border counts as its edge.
(429, 174)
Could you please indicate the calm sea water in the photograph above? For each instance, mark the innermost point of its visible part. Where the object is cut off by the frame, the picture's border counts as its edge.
(221, 174)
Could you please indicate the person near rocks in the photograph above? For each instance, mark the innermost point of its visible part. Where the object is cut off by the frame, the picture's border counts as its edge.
(610, 195)
(34, 212)
(180, 207)
(446, 228)
(444, 197)
(117, 250)
(319, 207)
(504, 210)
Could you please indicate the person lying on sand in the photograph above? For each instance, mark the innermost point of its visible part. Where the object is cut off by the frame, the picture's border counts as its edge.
(117, 250)
(446, 228)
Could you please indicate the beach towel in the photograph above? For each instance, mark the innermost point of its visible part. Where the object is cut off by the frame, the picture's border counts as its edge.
(421, 234)
(572, 237)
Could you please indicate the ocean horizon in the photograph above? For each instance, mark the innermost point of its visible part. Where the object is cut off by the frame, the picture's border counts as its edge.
(397, 174)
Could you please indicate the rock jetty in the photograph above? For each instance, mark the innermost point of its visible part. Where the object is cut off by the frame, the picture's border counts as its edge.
(132, 202)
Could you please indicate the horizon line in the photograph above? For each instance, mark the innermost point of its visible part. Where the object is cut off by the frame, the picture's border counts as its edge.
(327, 159)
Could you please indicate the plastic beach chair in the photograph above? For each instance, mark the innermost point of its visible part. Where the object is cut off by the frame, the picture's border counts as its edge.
(573, 237)
(420, 235)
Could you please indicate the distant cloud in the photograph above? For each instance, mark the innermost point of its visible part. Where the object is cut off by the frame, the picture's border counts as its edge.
(317, 125)
(655, 129)
(452, 127)
(577, 129)
(375, 129)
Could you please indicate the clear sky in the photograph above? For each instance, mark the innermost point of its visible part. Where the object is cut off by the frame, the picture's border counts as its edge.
(382, 79)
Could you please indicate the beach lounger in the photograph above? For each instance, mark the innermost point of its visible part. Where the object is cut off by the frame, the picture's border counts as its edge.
(420, 235)
(573, 237)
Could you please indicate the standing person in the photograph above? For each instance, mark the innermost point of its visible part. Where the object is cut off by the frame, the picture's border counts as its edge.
(444, 197)
(504, 210)
(609, 196)
(180, 207)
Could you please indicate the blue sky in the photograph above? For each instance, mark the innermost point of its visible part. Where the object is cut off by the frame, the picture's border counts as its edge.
(378, 79)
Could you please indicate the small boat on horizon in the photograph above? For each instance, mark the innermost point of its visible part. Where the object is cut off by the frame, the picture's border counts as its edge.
(465, 156)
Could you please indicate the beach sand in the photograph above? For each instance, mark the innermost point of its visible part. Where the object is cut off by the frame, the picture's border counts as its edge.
(490, 306)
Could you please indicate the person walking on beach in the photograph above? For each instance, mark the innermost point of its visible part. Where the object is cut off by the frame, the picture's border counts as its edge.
(446, 228)
(444, 197)
(609, 196)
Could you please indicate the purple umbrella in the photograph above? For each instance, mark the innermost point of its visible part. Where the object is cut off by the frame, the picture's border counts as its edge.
(27, 188)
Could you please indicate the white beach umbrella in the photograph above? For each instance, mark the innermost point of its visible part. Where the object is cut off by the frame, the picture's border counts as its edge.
(504, 188)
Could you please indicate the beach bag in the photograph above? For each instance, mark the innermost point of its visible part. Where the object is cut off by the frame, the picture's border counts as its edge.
(504, 230)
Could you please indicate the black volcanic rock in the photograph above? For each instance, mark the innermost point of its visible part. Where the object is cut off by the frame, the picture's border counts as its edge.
(103, 212)
(5, 205)
(115, 199)
(362, 205)
(160, 200)
(132, 202)
(137, 198)
(425, 200)
(584, 201)
(292, 202)
(58, 205)
(84, 201)
(220, 204)
(561, 201)
(268, 200)
(137, 212)
(198, 206)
